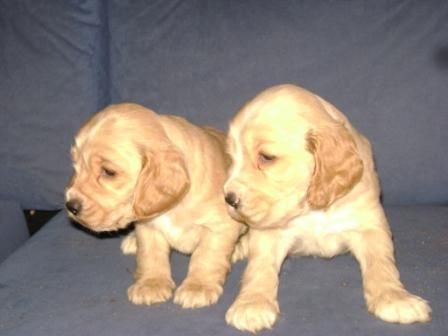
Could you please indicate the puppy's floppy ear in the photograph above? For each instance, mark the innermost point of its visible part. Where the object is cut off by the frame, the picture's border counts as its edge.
(338, 166)
(163, 181)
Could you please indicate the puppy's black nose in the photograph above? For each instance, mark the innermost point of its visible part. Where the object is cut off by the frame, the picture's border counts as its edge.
(232, 199)
(74, 206)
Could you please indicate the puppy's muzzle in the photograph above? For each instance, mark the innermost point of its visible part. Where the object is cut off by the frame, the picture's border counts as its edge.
(74, 206)
(232, 199)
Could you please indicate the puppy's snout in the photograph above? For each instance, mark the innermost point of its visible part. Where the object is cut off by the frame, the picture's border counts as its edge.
(232, 199)
(74, 206)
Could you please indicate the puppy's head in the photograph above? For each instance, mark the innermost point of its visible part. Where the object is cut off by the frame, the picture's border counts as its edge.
(125, 169)
(289, 156)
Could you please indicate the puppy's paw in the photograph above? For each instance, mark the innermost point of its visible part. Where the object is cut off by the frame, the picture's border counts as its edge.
(194, 294)
(400, 306)
(253, 314)
(129, 244)
(150, 291)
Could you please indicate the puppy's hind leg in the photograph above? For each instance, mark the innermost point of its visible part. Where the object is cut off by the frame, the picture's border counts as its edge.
(241, 250)
(129, 244)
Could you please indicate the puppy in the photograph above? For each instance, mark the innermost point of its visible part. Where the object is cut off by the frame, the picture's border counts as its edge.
(304, 181)
(166, 175)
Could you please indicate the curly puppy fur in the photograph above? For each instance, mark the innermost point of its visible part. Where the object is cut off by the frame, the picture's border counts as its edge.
(304, 181)
(166, 175)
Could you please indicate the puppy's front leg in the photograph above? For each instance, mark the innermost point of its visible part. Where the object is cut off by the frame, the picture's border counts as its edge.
(153, 282)
(385, 295)
(208, 268)
(256, 306)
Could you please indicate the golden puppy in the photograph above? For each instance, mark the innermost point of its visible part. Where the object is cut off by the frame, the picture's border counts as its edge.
(165, 174)
(304, 180)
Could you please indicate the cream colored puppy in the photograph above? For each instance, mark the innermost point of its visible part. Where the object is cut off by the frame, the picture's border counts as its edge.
(304, 181)
(165, 174)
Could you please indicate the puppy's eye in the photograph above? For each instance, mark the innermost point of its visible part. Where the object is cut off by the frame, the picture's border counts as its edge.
(107, 172)
(264, 158)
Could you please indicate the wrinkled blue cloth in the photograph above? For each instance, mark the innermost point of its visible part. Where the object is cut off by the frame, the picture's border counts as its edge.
(64, 281)
(383, 63)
